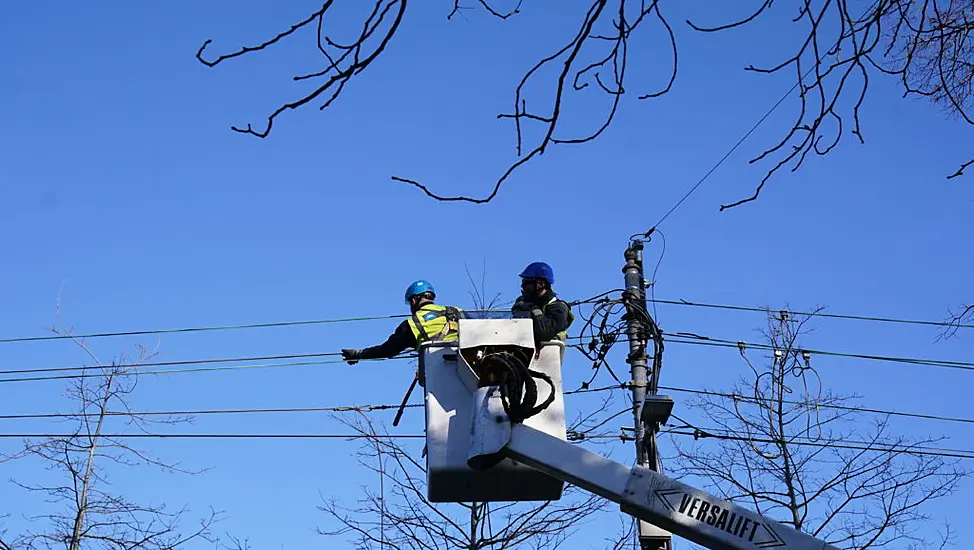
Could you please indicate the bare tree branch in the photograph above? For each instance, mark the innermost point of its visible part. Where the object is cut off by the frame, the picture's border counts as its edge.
(790, 458)
(597, 53)
(955, 319)
(411, 522)
(342, 65)
(927, 44)
(608, 71)
(86, 513)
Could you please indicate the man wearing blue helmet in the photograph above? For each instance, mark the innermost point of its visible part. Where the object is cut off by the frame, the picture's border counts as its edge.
(428, 321)
(552, 316)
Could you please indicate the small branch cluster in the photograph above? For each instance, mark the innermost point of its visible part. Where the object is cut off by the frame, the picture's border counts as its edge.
(487, 7)
(928, 44)
(342, 61)
(963, 315)
(603, 37)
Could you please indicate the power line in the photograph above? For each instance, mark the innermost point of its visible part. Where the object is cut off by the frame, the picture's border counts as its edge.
(698, 433)
(216, 436)
(729, 153)
(737, 396)
(199, 369)
(190, 412)
(169, 363)
(692, 338)
(247, 326)
(945, 324)
(360, 408)
(400, 316)
(924, 416)
(144, 435)
(695, 339)
(740, 141)
(700, 340)
(196, 329)
(373, 408)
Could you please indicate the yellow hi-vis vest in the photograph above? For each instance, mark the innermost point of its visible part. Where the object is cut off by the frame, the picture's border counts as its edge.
(563, 335)
(433, 322)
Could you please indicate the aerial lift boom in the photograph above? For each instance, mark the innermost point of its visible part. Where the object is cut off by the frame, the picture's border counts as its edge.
(647, 495)
(485, 445)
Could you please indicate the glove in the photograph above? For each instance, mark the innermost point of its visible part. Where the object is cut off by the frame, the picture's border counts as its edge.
(521, 305)
(351, 356)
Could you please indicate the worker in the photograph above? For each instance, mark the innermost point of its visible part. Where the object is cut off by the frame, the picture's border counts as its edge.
(428, 322)
(552, 316)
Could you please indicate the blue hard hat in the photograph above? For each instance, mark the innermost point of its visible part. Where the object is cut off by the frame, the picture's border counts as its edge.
(419, 287)
(539, 270)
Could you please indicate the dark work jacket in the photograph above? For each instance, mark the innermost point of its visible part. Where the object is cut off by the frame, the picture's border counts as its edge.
(548, 324)
(400, 340)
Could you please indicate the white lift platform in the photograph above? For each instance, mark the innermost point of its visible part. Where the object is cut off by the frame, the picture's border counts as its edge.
(531, 460)
(450, 380)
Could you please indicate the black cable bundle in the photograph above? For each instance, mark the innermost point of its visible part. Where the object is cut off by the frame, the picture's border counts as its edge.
(519, 390)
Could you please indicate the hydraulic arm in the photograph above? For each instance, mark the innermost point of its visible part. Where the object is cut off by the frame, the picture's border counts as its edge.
(640, 492)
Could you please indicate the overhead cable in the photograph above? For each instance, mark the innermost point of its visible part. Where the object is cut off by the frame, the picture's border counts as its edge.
(945, 324)
(699, 433)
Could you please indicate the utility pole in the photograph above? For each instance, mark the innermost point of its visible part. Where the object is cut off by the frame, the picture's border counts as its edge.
(634, 298)
(638, 330)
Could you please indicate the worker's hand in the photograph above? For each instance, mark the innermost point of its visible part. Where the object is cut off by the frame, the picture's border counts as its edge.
(351, 356)
(521, 305)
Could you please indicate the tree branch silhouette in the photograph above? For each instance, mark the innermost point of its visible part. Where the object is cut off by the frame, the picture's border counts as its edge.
(927, 44)
(870, 496)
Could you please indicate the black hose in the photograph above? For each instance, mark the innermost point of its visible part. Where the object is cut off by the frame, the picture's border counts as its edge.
(519, 391)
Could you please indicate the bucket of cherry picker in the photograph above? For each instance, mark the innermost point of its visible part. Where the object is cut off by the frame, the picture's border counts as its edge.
(452, 372)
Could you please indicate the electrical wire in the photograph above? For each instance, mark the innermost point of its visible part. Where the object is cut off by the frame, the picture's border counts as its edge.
(361, 408)
(401, 316)
(702, 432)
(199, 369)
(695, 339)
(849, 408)
(727, 155)
(677, 338)
(245, 326)
(216, 436)
(144, 435)
(192, 412)
(606, 335)
(699, 433)
(922, 416)
(169, 363)
(741, 141)
(652, 288)
(195, 329)
(876, 318)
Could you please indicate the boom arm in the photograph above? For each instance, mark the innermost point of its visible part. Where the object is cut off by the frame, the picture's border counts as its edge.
(640, 492)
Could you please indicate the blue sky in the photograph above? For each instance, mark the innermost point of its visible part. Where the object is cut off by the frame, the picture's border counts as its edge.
(123, 190)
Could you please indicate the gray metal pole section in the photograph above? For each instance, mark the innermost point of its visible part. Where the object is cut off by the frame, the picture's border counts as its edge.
(637, 360)
(651, 537)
